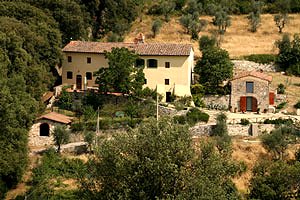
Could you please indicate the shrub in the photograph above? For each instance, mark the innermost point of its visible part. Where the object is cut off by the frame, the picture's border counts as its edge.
(156, 27)
(245, 122)
(76, 127)
(185, 100)
(281, 105)
(197, 89)
(278, 121)
(297, 105)
(281, 89)
(198, 101)
(195, 115)
(180, 119)
(261, 58)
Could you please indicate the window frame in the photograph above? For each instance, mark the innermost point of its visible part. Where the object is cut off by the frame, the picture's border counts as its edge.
(167, 65)
(89, 77)
(88, 60)
(167, 81)
(69, 59)
(69, 75)
(155, 63)
(249, 89)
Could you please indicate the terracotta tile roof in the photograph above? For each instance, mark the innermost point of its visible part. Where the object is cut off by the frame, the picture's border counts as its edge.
(47, 96)
(54, 116)
(140, 48)
(254, 74)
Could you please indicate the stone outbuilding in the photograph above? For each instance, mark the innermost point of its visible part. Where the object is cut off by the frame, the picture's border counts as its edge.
(250, 92)
(40, 132)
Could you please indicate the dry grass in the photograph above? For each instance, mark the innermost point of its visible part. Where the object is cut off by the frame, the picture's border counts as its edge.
(249, 153)
(238, 41)
(292, 84)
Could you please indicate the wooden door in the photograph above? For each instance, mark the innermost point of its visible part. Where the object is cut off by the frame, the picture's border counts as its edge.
(78, 82)
(254, 104)
(168, 96)
(243, 104)
(271, 98)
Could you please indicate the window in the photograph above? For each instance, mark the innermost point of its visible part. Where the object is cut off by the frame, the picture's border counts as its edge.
(167, 64)
(152, 63)
(167, 81)
(88, 76)
(69, 75)
(140, 63)
(89, 60)
(145, 81)
(249, 87)
(69, 58)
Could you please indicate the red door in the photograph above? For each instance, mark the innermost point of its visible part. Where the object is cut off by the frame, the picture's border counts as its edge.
(243, 104)
(254, 104)
(271, 98)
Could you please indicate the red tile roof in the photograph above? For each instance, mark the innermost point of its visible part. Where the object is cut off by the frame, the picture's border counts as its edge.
(164, 49)
(54, 116)
(47, 96)
(254, 74)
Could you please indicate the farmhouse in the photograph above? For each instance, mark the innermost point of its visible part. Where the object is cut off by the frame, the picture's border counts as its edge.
(167, 67)
(250, 91)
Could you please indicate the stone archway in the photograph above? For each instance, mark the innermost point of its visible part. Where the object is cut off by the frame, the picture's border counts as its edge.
(44, 129)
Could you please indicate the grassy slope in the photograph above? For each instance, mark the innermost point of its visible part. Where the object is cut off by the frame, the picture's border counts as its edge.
(237, 40)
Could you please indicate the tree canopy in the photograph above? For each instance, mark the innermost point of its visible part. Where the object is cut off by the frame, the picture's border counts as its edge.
(157, 161)
(214, 67)
(121, 75)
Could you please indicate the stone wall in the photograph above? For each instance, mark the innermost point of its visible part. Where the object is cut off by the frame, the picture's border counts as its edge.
(245, 65)
(233, 130)
(260, 92)
(35, 140)
(216, 101)
(34, 134)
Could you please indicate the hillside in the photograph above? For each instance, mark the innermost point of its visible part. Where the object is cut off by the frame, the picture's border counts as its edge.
(238, 41)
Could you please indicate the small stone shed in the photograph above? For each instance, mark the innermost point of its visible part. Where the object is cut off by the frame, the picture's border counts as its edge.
(40, 132)
(250, 92)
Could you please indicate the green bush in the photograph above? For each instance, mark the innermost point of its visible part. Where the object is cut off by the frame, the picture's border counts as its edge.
(297, 105)
(180, 119)
(261, 58)
(278, 121)
(281, 89)
(197, 98)
(195, 115)
(245, 122)
(76, 127)
(281, 105)
(197, 89)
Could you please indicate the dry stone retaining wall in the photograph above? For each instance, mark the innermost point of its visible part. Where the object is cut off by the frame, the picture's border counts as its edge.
(233, 130)
(246, 65)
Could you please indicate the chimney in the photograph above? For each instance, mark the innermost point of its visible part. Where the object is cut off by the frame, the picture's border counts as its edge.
(139, 39)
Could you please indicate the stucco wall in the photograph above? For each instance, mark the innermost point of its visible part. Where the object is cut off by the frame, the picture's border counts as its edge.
(179, 73)
(261, 92)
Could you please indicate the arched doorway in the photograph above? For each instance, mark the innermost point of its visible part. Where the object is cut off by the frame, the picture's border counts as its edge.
(44, 129)
(78, 82)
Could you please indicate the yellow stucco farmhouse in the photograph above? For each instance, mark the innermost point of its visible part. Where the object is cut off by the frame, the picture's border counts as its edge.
(167, 67)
